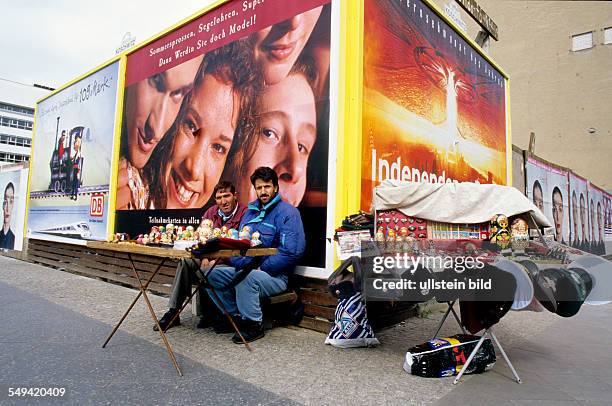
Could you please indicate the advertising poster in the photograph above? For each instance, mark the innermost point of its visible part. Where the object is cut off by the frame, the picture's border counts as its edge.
(580, 236)
(242, 86)
(13, 185)
(71, 160)
(608, 222)
(596, 220)
(547, 187)
(434, 109)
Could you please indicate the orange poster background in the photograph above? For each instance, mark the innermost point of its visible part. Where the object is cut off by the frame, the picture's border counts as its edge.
(434, 109)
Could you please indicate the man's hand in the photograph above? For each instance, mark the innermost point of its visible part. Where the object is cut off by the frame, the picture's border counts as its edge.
(204, 263)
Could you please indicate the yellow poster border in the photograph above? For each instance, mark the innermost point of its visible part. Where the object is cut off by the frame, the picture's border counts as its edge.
(112, 192)
(350, 104)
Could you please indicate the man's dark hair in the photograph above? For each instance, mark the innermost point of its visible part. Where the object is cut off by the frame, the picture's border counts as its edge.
(266, 174)
(537, 184)
(557, 190)
(224, 185)
(9, 185)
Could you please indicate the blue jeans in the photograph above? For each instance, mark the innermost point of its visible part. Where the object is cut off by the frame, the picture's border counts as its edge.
(243, 299)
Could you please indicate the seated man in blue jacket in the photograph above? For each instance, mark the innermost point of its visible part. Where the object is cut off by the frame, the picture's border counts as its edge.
(280, 226)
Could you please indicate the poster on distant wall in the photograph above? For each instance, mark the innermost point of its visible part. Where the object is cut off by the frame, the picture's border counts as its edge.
(596, 210)
(434, 108)
(242, 86)
(13, 186)
(608, 222)
(547, 187)
(580, 236)
(71, 160)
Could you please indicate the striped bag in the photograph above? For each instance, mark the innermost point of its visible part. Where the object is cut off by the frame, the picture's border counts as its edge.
(351, 328)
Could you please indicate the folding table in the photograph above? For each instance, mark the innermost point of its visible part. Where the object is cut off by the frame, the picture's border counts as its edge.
(163, 254)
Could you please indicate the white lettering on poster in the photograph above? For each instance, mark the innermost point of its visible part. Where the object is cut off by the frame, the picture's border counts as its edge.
(383, 170)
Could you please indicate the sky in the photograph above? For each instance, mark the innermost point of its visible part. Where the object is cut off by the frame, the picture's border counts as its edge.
(51, 42)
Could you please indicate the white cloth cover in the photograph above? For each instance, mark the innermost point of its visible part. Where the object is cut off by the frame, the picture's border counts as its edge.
(457, 203)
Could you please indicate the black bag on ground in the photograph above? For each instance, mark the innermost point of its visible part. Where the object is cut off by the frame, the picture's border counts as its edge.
(446, 356)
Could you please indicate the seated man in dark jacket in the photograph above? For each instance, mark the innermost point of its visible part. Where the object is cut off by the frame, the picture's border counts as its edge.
(228, 212)
(280, 226)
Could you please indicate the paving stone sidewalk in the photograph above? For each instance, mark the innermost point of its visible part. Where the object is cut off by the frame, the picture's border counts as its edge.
(294, 364)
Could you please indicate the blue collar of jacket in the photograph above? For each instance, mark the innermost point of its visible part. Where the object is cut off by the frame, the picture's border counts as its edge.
(261, 211)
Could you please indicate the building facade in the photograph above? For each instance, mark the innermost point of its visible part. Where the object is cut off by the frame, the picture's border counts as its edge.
(558, 55)
(17, 103)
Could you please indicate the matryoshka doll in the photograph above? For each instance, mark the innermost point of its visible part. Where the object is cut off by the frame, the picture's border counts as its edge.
(255, 241)
(391, 238)
(380, 234)
(519, 234)
(501, 235)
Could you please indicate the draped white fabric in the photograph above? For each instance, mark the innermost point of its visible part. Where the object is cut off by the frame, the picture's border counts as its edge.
(458, 203)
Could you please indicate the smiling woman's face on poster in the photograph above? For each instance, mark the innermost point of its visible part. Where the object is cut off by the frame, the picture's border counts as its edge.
(201, 143)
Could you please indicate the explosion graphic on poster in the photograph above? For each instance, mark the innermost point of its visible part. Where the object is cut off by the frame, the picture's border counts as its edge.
(434, 109)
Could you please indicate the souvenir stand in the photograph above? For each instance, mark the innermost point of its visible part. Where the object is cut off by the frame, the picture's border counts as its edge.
(462, 207)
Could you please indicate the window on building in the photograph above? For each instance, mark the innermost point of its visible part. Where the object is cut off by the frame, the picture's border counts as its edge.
(16, 123)
(608, 35)
(16, 109)
(582, 41)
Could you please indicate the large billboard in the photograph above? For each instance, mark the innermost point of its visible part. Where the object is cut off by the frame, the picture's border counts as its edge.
(548, 187)
(242, 86)
(434, 108)
(13, 186)
(71, 160)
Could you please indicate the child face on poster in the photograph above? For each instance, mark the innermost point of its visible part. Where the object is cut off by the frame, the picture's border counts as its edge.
(202, 140)
(151, 107)
(286, 137)
(276, 48)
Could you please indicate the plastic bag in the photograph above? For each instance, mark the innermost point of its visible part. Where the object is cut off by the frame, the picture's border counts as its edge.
(351, 328)
(446, 356)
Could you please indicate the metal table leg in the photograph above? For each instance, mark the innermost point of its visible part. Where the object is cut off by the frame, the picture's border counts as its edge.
(154, 317)
(129, 309)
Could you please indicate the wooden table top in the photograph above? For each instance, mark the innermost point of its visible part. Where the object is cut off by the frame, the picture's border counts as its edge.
(164, 252)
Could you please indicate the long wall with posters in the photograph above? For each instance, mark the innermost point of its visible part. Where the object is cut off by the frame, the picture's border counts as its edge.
(580, 211)
(336, 96)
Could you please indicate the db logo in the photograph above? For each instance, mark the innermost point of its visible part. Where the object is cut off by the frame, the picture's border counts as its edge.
(96, 205)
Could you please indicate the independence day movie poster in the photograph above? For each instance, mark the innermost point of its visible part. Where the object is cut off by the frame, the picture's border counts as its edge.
(71, 160)
(434, 109)
(242, 86)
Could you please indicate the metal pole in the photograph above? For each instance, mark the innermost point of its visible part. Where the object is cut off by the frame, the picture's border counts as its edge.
(501, 349)
(470, 358)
